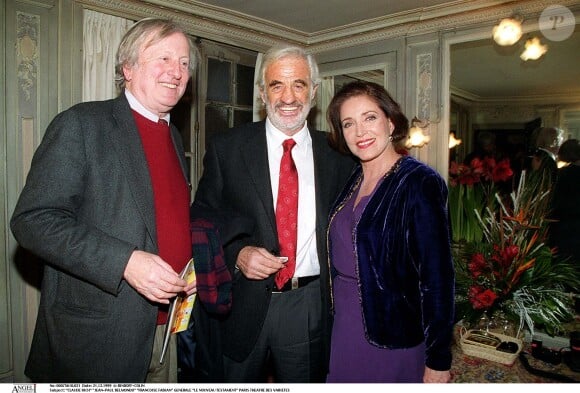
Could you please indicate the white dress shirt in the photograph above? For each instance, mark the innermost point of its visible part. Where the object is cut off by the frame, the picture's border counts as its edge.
(140, 109)
(306, 256)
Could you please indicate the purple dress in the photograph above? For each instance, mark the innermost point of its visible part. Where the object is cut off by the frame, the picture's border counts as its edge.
(352, 357)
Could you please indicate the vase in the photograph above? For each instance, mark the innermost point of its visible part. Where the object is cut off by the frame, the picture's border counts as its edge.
(495, 322)
(499, 322)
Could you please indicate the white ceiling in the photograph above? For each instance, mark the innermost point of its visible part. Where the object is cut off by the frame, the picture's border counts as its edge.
(480, 68)
(311, 16)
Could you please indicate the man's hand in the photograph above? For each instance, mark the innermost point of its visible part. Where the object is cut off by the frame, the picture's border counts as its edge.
(257, 263)
(153, 278)
(191, 288)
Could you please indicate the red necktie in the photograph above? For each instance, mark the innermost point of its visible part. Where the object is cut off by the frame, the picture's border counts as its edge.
(287, 213)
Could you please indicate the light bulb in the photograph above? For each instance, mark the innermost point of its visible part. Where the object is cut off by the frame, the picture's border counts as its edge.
(453, 141)
(508, 32)
(534, 49)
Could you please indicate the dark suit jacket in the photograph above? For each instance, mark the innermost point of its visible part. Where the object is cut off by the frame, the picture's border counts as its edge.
(236, 178)
(86, 206)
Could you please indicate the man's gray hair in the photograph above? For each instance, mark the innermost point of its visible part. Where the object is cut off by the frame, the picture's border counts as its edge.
(278, 52)
(144, 33)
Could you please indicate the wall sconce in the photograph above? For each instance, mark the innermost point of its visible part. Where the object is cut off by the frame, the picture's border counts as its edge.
(508, 32)
(534, 49)
(417, 136)
(453, 142)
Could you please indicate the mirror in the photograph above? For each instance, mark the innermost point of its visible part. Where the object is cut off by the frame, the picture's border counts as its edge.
(330, 84)
(376, 76)
(493, 91)
(490, 90)
(380, 69)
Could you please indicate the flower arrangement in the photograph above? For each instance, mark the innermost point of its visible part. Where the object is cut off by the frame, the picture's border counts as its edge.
(471, 190)
(513, 270)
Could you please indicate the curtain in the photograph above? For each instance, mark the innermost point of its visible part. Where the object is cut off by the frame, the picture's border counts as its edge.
(102, 34)
(259, 112)
(323, 97)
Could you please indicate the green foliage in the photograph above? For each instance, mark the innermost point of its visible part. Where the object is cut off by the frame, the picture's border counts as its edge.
(464, 201)
(512, 270)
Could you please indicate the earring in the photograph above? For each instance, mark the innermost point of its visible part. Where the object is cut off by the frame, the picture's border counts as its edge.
(390, 138)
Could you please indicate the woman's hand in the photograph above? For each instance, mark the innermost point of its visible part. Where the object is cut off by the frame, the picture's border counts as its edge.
(434, 376)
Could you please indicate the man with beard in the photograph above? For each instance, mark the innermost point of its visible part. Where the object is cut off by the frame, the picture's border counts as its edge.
(276, 326)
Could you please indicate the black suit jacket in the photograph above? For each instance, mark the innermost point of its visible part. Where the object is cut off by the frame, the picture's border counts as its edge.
(236, 178)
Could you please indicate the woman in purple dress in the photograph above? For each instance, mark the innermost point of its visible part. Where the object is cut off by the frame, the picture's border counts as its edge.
(389, 247)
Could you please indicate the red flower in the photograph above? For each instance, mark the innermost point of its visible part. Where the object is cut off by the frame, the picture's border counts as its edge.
(495, 274)
(502, 171)
(477, 265)
(478, 170)
(469, 179)
(508, 254)
(490, 165)
(478, 166)
(455, 170)
(463, 174)
(481, 298)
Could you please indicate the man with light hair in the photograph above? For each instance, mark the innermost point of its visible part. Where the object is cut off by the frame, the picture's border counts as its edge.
(106, 207)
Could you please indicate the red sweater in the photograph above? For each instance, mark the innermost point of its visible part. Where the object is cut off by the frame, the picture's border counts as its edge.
(170, 195)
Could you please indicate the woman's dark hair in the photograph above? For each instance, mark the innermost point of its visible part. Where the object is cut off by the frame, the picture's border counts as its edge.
(377, 93)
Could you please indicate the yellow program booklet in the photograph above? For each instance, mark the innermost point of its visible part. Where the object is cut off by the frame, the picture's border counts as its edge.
(184, 305)
(180, 309)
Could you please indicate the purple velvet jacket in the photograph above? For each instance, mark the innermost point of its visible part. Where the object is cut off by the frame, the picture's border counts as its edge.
(404, 265)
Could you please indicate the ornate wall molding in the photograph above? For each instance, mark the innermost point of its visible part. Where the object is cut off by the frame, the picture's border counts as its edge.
(215, 23)
(424, 85)
(198, 26)
(470, 99)
(481, 14)
(27, 35)
(42, 4)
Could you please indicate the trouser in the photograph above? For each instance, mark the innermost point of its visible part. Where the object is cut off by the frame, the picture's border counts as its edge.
(290, 342)
(165, 372)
